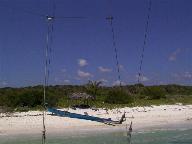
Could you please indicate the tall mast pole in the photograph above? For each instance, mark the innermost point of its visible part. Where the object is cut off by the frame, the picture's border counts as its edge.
(49, 20)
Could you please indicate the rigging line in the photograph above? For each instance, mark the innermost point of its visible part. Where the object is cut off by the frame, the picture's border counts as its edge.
(144, 42)
(46, 78)
(70, 17)
(52, 28)
(129, 132)
(45, 86)
(49, 41)
(40, 14)
(24, 11)
(50, 49)
(110, 19)
(54, 8)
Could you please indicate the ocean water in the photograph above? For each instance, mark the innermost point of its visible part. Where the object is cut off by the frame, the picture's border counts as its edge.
(179, 136)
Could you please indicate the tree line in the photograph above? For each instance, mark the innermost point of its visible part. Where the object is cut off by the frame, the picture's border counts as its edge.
(57, 96)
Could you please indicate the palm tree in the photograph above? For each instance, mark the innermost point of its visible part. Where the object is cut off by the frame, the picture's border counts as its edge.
(92, 87)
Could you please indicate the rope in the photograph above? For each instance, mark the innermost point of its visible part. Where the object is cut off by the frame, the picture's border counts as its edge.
(48, 51)
(53, 7)
(49, 40)
(144, 42)
(40, 15)
(22, 10)
(129, 133)
(110, 19)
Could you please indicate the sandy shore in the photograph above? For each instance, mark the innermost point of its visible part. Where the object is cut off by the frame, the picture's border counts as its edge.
(142, 117)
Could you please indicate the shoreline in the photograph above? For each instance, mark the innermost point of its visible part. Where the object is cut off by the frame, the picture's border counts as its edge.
(144, 119)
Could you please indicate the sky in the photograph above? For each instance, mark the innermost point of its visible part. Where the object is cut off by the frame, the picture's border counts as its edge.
(82, 49)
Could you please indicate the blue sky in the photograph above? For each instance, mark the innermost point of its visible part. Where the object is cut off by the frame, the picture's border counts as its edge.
(82, 49)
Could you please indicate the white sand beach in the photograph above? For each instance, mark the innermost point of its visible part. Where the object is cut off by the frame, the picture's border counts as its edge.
(142, 117)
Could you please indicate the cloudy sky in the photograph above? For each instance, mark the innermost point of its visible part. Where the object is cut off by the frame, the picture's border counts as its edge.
(82, 48)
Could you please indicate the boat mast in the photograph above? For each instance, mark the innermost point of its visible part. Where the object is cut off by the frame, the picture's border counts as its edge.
(49, 20)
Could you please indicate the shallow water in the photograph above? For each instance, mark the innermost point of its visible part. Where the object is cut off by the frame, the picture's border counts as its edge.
(149, 137)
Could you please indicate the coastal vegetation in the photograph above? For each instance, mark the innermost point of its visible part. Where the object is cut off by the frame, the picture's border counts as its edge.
(27, 98)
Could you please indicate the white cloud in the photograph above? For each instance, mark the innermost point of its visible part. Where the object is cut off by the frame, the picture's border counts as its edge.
(180, 76)
(103, 69)
(104, 80)
(142, 78)
(63, 70)
(83, 74)
(175, 75)
(3, 83)
(121, 66)
(187, 75)
(117, 83)
(56, 79)
(67, 81)
(82, 62)
(161, 82)
(173, 55)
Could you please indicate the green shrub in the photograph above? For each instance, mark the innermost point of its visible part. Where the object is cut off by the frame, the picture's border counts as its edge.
(118, 96)
(154, 92)
(22, 109)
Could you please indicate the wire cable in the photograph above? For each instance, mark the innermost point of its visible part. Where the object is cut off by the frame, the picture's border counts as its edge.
(46, 72)
(41, 15)
(144, 43)
(110, 19)
(23, 10)
(48, 50)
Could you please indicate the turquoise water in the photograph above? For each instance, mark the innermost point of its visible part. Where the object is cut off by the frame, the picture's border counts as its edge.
(150, 137)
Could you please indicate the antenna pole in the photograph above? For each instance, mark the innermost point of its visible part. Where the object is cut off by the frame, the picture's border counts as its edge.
(50, 20)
